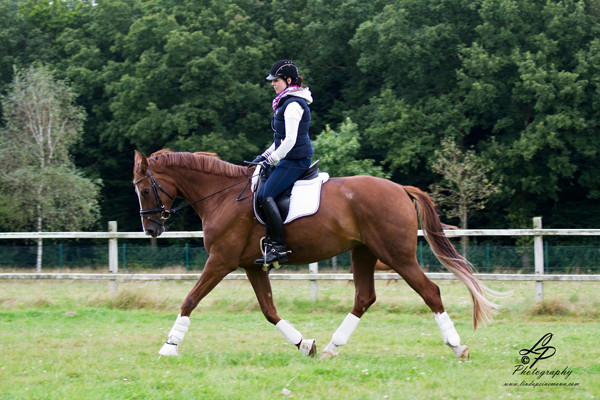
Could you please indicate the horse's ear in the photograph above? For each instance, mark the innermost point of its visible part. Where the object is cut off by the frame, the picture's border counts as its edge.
(141, 163)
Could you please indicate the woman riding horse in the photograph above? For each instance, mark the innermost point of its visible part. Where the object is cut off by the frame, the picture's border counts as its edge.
(373, 218)
(291, 152)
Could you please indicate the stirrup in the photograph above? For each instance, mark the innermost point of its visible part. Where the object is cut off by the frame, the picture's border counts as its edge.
(281, 257)
(267, 248)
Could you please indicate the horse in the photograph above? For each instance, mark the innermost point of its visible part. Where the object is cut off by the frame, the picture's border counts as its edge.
(372, 218)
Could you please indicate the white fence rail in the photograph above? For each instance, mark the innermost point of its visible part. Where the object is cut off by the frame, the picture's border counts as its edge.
(291, 276)
(114, 276)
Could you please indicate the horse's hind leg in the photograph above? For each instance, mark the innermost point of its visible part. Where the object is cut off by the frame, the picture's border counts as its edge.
(259, 280)
(430, 292)
(363, 267)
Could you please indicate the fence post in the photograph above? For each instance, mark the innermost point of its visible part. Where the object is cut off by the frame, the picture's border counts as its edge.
(538, 252)
(113, 256)
(313, 268)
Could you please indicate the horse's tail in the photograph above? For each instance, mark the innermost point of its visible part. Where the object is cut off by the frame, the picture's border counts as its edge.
(432, 227)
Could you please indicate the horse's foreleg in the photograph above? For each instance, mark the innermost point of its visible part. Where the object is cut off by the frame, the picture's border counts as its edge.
(262, 288)
(363, 262)
(430, 292)
(208, 280)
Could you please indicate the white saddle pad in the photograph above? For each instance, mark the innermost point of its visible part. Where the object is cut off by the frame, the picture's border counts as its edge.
(305, 199)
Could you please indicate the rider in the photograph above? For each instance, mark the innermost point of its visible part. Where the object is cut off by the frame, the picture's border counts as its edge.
(291, 151)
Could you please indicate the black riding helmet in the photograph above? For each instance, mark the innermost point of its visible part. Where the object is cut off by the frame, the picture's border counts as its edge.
(283, 69)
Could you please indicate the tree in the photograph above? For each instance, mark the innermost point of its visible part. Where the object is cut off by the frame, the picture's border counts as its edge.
(339, 152)
(22, 41)
(187, 75)
(409, 53)
(464, 187)
(515, 79)
(189, 81)
(331, 73)
(42, 125)
(529, 83)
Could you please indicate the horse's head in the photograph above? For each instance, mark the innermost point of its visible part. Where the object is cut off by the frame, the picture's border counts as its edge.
(155, 193)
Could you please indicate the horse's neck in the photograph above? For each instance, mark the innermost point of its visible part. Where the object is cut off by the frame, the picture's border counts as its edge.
(206, 191)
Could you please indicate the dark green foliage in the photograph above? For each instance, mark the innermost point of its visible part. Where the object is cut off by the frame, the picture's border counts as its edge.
(514, 81)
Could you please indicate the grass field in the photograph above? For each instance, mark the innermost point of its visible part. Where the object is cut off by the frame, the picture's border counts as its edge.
(72, 340)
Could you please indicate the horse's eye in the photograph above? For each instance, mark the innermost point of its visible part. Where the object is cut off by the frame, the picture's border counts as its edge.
(145, 192)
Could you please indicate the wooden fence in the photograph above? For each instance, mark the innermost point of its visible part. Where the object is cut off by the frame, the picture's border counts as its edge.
(112, 235)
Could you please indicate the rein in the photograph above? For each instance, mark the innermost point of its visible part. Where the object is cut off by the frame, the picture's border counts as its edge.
(166, 214)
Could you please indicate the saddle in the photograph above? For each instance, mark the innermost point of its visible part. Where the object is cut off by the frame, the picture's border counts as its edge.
(284, 200)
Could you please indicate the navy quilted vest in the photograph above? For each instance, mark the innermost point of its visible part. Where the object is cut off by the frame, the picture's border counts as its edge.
(303, 147)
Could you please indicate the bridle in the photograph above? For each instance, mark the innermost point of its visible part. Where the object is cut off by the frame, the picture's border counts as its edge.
(160, 206)
(166, 214)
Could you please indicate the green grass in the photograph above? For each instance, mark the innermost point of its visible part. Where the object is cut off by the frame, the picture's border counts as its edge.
(72, 340)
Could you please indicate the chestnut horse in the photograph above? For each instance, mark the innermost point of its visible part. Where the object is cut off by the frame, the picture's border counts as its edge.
(373, 218)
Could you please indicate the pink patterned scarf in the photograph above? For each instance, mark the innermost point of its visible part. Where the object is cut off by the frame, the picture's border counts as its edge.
(292, 88)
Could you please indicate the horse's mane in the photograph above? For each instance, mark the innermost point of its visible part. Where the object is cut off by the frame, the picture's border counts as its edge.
(206, 162)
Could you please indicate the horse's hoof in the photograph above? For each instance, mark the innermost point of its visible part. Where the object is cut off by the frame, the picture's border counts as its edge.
(461, 352)
(168, 349)
(329, 351)
(308, 347)
(327, 354)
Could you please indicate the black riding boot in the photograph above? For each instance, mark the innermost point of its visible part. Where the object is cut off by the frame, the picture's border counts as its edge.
(276, 248)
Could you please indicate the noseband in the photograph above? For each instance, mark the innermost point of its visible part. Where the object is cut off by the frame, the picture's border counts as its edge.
(160, 207)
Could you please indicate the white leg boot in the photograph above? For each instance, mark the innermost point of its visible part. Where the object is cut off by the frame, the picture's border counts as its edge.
(341, 336)
(176, 336)
(450, 335)
(294, 337)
